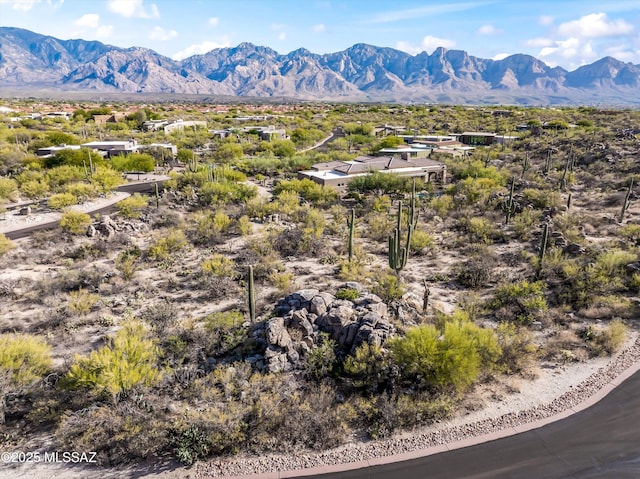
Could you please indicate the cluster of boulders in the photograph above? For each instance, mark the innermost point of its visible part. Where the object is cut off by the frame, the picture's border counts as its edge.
(108, 228)
(301, 317)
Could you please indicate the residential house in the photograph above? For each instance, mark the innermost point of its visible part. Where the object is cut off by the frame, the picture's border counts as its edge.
(339, 174)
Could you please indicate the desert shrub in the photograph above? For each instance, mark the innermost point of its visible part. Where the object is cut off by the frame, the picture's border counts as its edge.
(244, 225)
(518, 351)
(62, 200)
(542, 199)
(161, 315)
(321, 360)
(368, 367)
(524, 222)
(24, 358)
(347, 293)
(105, 179)
(419, 241)
(82, 191)
(6, 244)
(313, 222)
(522, 302)
(442, 205)
(75, 222)
(450, 357)
(352, 270)
(211, 227)
(126, 263)
(475, 272)
(630, 231)
(226, 192)
(224, 331)
(297, 241)
(164, 247)
(190, 445)
(388, 286)
(8, 189)
(309, 190)
(379, 226)
(130, 431)
(380, 183)
(284, 281)
(81, 302)
(132, 207)
(219, 266)
(128, 361)
(480, 230)
(611, 338)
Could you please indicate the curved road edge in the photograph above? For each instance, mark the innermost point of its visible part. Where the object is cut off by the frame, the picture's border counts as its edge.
(588, 402)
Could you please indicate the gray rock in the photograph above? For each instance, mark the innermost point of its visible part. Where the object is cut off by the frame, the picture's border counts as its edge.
(354, 285)
(573, 249)
(379, 308)
(91, 231)
(305, 294)
(277, 334)
(318, 305)
(372, 298)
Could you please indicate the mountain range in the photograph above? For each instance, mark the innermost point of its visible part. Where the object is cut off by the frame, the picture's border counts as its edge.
(33, 62)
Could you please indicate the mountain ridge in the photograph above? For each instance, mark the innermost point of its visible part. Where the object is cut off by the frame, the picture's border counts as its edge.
(362, 72)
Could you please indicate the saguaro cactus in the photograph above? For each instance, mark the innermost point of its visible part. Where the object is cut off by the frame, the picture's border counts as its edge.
(399, 254)
(157, 193)
(627, 201)
(251, 295)
(508, 205)
(543, 247)
(351, 221)
(547, 163)
(193, 164)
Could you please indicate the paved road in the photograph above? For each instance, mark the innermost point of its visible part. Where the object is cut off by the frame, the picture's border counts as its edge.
(601, 442)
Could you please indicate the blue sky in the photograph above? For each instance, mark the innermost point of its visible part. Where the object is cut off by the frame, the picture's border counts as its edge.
(566, 33)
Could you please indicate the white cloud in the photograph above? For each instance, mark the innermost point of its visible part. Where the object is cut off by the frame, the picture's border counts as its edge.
(91, 20)
(159, 33)
(104, 31)
(282, 36)
(133, 8)
(429, 43)
(572, 52)
(213, 21)
(319, 28)
(594, 25)
(23, 5)
(200, 48)
(539, 42)
(488, 30)
(412, 13)
(501, 56)
(277, 26)
(546, 20)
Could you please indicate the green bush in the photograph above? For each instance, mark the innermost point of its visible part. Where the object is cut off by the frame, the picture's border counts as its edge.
(81, 302)
(368, 367)
(321, 360)
(24, 357)
(219, 266)
(62, 200)
(126, 362)
(6, 244)
(75, 222)
(523, 302)
(347, 293)
(388, 286)
(163, 248)
(8, 189)
(420, 240)
(132, 207)
(450, 357)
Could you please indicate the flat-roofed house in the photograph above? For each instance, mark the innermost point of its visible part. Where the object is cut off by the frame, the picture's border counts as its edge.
(339, 174)
(477, 138)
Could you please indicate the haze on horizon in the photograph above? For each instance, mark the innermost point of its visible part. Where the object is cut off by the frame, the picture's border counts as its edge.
(560, 33)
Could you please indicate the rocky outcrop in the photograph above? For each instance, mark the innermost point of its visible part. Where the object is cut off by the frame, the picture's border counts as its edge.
(302, 317)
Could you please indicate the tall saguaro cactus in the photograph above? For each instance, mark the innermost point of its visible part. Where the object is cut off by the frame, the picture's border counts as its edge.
(543, 247)
(351, 221)
(626, 202)
(508, 205)
(251, 295)
(399, 254)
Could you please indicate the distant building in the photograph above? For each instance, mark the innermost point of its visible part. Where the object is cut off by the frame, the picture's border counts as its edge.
(104, 119)
(476, 138)
(113, 148)
(154, 125)
(181, 125)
